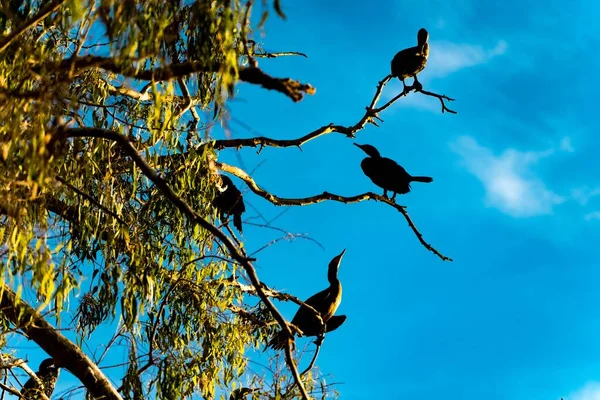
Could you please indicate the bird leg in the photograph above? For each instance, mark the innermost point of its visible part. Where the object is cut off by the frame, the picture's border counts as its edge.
(406, 89)
(385, 193)
(394, 196)
(416, 84)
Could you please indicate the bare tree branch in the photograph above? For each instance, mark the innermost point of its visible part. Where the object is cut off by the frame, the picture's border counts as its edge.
(65, 352)
(370, 116)
(11, 390)
(280, 201)
(441, 97)
(291, 88)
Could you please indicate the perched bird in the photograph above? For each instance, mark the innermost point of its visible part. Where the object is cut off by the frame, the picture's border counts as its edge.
(48, 374)
(229, 201)
(409, 62)
(325, 302)
(386, 173)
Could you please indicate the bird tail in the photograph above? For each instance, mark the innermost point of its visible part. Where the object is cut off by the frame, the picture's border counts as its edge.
(424, 179)
(237, 222)
(277, 342)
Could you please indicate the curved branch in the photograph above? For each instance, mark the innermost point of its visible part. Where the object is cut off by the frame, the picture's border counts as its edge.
(65, 352)
(186, 210)
(370, 116)
(280, 201)
(291, 88)
(318, 342)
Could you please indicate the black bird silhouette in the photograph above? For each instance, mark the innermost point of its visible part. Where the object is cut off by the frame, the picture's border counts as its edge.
(48, 374)
(386, 173)
(409, 62)
(325, 302)
(229, 201)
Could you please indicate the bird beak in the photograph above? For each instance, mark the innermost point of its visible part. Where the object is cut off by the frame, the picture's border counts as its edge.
(222, 189)
(341, 255)
(358, 145)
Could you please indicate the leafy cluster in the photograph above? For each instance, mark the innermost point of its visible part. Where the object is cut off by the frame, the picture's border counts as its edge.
(108, 176)
(76, 213)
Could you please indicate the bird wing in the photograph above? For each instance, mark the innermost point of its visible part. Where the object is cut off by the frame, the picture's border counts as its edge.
(316, 301)
(392, 167)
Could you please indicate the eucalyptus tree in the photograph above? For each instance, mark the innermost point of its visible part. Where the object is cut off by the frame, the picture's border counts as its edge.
(106, 201)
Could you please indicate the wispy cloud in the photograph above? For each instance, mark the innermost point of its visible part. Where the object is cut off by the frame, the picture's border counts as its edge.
(510, 184)
(593, 216)
(583, 195)
(566, 145)
(591, 391)
(448, 57)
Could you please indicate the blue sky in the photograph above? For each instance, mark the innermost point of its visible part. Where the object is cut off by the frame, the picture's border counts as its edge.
(515, 201)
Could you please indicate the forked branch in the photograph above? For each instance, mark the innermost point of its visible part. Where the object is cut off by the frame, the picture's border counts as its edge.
(371, 115)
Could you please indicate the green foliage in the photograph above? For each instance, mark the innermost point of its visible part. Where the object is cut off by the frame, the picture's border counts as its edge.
(79, 221)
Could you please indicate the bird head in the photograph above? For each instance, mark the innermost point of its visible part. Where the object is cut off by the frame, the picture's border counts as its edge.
(422, 36)
(48, 364)
(334, 265)
(225, 183)
(370, 150)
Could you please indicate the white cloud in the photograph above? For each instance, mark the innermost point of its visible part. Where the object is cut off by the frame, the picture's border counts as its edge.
(591, 391)
(592, 217)
(507, 178)
(448, 57)
(584, 194)
(566, 145)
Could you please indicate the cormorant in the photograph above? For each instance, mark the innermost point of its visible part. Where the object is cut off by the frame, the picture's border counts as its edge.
(409, 62)
(325, 302)
(386, 173)
(229, 201)
(48, 374)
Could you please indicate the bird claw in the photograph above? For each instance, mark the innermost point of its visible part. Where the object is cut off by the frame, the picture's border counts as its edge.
(417, 86)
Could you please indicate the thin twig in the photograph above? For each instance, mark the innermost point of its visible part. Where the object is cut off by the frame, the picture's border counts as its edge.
(318, 342)
(280, 54)
(441, 97)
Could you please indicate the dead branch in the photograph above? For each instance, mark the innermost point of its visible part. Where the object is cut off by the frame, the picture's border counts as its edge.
(325, 196)
(186, 210)
(441, 97)
(371, 116)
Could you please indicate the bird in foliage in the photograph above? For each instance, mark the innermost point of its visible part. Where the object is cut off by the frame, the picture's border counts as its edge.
(386, 173)
(325, 302)
(229, 201)
(48, 374)
(409, 62)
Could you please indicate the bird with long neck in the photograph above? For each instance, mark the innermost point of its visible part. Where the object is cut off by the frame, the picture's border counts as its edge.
(409, 62)
(229, 201)
(48, 375)
(386, 173)
(326, 302)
